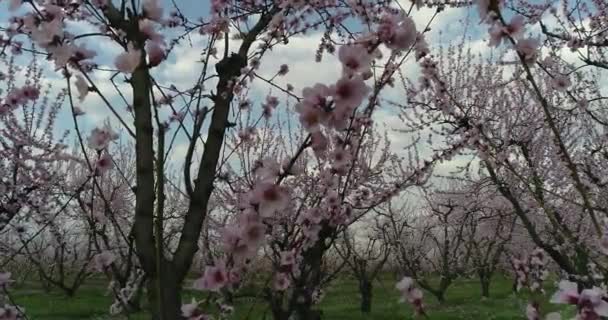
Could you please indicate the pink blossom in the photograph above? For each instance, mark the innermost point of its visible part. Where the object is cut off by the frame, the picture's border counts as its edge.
(100, 138)
(515, 27)
(214, 279)
(528, 48)
(82, 86)
(190, 310)
(103, 260)
(560, 82)
(9, 312)
(281, 282)
(590, 302)
(397, 31)
(421, 47)
(313, 107)
(319, 142)
(100, 3)
(47, 32)
(270, 198)
(253, 233)
(283, 70)
(604, 243)
(341, 160)
(349, 92)
(288, 258)
(128, 61)
(153, 9)
(61, 54)
(5, 278)
(14, 4)
(411, 294)
(532, 312)
(247, 134)
(147, 27)
(103, 163)
(233, 242)
(354, 59)
(486, 8)
(177, 117)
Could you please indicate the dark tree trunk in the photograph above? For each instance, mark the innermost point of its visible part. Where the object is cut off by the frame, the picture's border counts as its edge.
(365, 288)
(440, 295)
(484, 281)
(167, 306)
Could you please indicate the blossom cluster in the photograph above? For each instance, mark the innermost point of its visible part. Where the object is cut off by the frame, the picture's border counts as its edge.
(8, 311)
(411, 294)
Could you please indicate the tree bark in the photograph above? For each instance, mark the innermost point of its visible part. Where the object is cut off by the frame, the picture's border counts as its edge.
(365, 288)
(168, 304)
(484, 281)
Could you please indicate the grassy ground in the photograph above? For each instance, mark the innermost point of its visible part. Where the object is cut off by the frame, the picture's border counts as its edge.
(340, 303)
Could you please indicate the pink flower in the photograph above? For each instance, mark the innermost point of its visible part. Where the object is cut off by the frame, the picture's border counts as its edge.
(310, 117)
(486, 8)
(288, 258)
(5, 278)
(604, 243)
(233, 242)
(313, 107)
(47, 32)
(397, 31)
(100, 138)
(516, 26)
(355, 59)
(253, 233)
(10, 313)
(82, 86)
(214, 279)
(528, 48)
(147, 27)
(590, 302)
(560, 82)
(128, 61)
(153, 10)
(247, 134)
(348, 93)
(514, 29)
(319, 142)
(190, 310)
(103, 260)
(270, 198)
(100, 3)
(341, 160)
(283, 70)
(15, 4)
(103, 163)
(61, 54)
(281, 282)
(411, 294)
(405, 285)
(421, 47)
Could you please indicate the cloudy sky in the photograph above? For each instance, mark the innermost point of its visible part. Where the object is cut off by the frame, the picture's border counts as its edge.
(182, 67)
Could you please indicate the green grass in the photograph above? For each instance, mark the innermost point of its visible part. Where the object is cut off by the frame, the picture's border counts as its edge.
(341, 302)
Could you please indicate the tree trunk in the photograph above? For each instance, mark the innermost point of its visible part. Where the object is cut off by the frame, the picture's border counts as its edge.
(365, 288)
(167, 306)
(440, 295)
(485, 286)
(305, 312)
